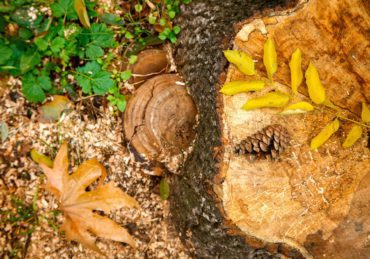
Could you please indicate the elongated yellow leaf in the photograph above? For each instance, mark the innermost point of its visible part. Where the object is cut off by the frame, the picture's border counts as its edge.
(296, 74)
(273, 99)
(241, 60)
(315, 88)
(300, 107)
(41, 158)
(235, 87)
(81, 11)
(325, 134)
(365, 114)
(270, 58)
(353, 135)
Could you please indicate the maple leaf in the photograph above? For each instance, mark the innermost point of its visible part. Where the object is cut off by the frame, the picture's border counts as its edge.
(77, 204)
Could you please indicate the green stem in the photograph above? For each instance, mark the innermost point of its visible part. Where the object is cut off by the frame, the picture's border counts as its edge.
(353, 121)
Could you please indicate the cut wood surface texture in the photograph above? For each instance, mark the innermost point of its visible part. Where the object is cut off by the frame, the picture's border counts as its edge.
(316, 201)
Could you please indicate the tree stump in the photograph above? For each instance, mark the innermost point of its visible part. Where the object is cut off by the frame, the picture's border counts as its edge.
(307, 203)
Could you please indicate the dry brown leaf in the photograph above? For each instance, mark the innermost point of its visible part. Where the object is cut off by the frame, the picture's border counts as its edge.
(77, 204)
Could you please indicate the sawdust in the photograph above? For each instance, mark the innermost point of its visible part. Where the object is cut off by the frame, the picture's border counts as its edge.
(92, 130)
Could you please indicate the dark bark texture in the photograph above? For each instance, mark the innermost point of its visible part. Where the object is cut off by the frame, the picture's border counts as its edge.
(207, 28)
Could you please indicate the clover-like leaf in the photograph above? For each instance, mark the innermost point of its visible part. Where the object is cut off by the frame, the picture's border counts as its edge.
(315, 87)
(324, 134)
(270, 58)
(296, 74)
(272, 99)
(235, 87)
(353, 135)
(78, 205)
(241, 60)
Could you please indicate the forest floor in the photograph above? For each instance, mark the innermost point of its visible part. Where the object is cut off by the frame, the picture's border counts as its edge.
(29, 214)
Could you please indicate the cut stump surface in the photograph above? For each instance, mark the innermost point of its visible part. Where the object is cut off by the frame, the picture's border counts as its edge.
(316, 201)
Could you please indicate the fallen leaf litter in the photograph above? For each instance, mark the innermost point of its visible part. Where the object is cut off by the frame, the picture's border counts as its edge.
(101, 138)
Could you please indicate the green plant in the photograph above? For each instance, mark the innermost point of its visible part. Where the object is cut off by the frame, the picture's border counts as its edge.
(48, 50)
(22, 218)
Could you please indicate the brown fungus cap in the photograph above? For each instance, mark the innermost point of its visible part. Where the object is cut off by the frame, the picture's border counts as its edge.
(150, 63)
(160, 117)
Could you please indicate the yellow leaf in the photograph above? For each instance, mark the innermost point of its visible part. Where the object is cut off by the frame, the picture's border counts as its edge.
(241, 60)
(325, 134)
(300, 107)
(365, 114)
(41, 158)
(235, 87)
(353, 135)
(315, 88)
(81, 224)
(52, 110)
(296, 74)
(270, 58)
(273, 99)
(81, 11)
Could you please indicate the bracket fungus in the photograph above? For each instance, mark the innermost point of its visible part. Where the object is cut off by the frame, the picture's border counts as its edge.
(150, 62)
(160, 117)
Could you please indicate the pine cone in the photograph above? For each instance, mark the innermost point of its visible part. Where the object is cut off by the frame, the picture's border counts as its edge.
(267, 143)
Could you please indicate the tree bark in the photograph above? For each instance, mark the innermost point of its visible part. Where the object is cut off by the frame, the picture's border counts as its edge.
(215, 205)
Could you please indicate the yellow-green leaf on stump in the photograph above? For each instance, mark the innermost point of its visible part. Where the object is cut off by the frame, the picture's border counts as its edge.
(324, 134)
(315, 88)
(270, 58)
(241, 60)
(81, 11)
(296, 74)
(353, 135)
(41, 158)
(236, 87)
(365, 114)
(272, 99)
(300, 107)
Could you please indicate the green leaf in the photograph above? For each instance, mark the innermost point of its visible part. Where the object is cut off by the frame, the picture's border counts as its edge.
(121, 105)
(171, 14)
(5, 53)
(138, 8)
(44, 82)
(32, 88)
(28, 60)
(41, 44)
(25, 33)
(176, 29)
(57, 44)
(92, 79)
(128, 35)
(64, 8)
(151, 19)
(132, 59)
(162, 22)
(112, 19)
(125, 75)
(164, 189)
(102, 36)
(94, 52)
(102, 82)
